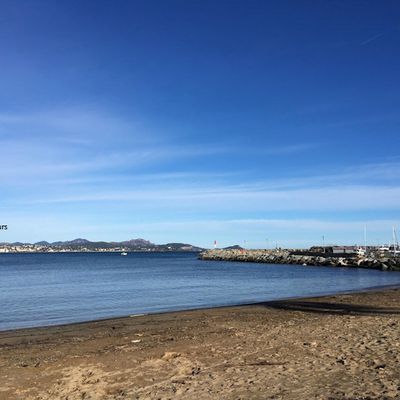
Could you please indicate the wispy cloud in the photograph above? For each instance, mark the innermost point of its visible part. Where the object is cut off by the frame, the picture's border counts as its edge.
(369, 174)
(240, 199)
(31, 160)
(68, 123)
(125, 175)
(277, 150)
(76, 142)
(372, 38)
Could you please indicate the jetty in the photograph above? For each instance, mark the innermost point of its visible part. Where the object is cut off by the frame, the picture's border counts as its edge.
(384, 262)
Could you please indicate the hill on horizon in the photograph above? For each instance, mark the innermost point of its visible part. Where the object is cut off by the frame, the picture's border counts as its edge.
(132, 244)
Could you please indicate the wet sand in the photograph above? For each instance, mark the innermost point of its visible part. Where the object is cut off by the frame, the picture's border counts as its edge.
(336, 347)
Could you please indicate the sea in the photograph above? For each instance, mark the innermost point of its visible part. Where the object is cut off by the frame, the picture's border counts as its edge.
(51, 289)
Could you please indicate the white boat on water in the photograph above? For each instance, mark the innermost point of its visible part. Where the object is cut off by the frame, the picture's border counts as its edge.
(124, 253)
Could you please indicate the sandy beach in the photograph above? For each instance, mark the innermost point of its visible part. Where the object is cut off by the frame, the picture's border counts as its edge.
(336, 347)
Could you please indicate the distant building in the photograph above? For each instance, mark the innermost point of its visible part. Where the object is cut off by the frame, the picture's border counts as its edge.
(344, 250)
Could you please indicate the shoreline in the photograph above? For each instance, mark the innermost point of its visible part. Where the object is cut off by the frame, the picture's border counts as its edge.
(378, 288)
(345, 346)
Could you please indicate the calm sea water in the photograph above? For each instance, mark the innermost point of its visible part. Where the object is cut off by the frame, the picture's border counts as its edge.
(49, 289)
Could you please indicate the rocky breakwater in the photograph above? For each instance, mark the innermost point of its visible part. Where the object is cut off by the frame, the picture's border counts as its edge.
(384, 263)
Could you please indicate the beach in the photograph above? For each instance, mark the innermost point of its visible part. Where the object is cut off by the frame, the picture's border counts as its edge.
(336, 347)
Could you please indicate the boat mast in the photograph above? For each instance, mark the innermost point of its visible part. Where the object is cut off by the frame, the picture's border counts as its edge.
(365, 237)
(395, 242)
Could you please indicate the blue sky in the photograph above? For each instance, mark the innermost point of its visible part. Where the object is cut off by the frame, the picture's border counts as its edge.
(249, 122)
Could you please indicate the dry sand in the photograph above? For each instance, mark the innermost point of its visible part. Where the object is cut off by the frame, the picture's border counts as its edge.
(337, 347)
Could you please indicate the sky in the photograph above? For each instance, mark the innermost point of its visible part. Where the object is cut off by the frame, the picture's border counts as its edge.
(258, 123)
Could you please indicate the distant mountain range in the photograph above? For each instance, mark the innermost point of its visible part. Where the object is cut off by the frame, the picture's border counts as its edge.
(133, 244)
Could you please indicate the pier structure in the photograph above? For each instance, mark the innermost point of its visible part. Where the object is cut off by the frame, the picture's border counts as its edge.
(372, 260)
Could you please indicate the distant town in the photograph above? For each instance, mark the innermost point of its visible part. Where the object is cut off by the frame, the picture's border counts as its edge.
(86, 246)
(142, 245)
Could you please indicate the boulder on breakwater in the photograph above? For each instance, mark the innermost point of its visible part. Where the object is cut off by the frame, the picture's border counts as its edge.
(287, 257)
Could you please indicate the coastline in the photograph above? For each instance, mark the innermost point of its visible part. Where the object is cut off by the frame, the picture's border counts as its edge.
(350, 343)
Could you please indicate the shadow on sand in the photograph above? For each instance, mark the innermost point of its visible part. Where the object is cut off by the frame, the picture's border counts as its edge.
(331, 308)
